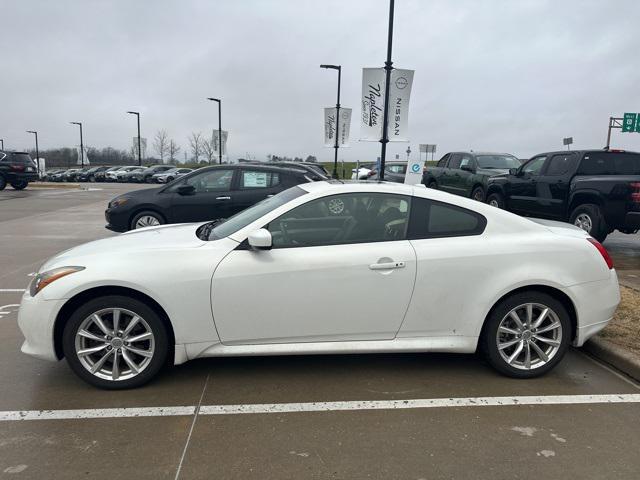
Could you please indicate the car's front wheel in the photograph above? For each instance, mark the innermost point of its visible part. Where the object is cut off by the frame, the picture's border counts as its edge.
(478, 194)
(526, 335)
(115, 342)
(496, 200)
(146, 218)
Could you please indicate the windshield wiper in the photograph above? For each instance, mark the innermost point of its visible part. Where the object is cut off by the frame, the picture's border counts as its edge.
(207, 228)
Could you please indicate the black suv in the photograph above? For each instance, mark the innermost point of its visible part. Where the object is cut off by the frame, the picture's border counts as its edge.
(208, 193)
(17, 169)
(146, 175)
(89, 175)
(596, 190)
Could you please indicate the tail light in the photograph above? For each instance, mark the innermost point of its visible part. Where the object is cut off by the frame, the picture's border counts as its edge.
(17, 168)
(603, 251)
(635, 192)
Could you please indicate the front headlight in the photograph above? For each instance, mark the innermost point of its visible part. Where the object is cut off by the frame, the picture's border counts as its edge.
(43, 279)
(118, 202)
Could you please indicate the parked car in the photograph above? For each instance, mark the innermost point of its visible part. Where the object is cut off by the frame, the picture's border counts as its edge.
(596, 190)
(90, 174)
(57, 176)
(393, 172)
(102, 176)
(112, 176)
(241, 287)
(362, 172)
(146, 175)
(315, 170)
(467, 173)
(69, 175)
(206, 194)
(49, 174)
(169, 176)
(17, 169)
(126, 175)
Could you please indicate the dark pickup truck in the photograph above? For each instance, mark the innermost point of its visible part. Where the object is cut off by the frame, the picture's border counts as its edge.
(597, 190)
(466, 173)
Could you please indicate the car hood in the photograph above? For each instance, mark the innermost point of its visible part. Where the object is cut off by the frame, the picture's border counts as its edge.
(162, 237)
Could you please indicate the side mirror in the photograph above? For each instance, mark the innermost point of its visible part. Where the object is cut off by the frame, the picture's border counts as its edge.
(260, 239)
(513, 171)
(186, 190)
(467, 168)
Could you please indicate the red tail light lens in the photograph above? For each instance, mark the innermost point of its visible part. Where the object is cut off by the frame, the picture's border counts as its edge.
(635, 192)
(603, 252)
(17, 168)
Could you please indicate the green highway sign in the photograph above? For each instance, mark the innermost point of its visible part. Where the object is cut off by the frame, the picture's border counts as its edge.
(631, 122)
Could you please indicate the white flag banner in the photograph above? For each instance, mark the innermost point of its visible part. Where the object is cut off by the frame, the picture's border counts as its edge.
(371, 104)
(86, 156)
(216, 141)
(399, 93)
(344, 125)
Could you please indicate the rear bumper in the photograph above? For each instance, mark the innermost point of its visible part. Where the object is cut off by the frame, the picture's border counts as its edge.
(595, 304)
(13, 177)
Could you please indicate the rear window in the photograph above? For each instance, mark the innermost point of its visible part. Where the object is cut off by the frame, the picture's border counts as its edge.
(19, 158)
(432, 219)
(610, 163)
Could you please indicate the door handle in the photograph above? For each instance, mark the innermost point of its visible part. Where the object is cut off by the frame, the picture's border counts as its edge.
(386, 265)
(223, 198)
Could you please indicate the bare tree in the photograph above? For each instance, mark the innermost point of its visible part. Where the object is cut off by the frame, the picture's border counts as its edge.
(173, 150)
(210, 149)
(195, 142)
(161, 144)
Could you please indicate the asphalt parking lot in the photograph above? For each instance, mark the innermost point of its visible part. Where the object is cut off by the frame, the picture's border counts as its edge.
(409, 416)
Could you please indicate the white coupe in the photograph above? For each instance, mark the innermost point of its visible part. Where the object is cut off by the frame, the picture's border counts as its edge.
(287, 276)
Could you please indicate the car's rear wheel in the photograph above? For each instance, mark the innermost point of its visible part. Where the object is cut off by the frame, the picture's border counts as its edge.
(478, 194)
(496, 200)
(526, 335)
(19, 185)
(115, 342)
(590, 219)
(146, 218)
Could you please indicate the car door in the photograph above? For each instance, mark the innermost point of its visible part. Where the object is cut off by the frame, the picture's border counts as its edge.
(462, 176)
(552, 189)
(447, 180)
(209, 199)
(341, 269)
(523, 196)
(254, 185)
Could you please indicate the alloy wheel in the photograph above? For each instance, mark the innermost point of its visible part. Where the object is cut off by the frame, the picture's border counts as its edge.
(529, 336)
(147, 221)
(584, 222)
(114, 344)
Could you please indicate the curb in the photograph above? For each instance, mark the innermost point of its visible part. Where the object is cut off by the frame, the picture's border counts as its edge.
(615, 356)
(45, 185)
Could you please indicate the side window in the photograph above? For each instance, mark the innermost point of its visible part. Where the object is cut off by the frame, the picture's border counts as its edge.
(455, 161)
(561, 164)
(466, 161)
(211, 181)
(343, 219)
(256, 179)
(443, 161)
(432, 219)
(534, 166)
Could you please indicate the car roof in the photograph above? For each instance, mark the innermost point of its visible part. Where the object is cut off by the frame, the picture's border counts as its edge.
(582, 152)
(267, 168)
(483, 153)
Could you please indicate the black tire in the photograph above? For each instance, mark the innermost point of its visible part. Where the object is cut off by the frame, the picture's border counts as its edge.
(169, 180)
(148, 179)
(478, 194)
(146, 213)
(488, 343)
(3, 182)
(157, 327)
(20, 185)
(92, 178)
(496, 200)
(432, 184)
(590, 214)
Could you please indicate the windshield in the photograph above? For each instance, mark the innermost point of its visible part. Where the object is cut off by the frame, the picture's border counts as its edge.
(251, 214)
(498, 161)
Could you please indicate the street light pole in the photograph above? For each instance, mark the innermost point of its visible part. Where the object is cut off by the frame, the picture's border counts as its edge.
(614, 122)
(137, 114)
(337, 143)
(219, 127)
(388, 66)
(81, 144)
(37, 151)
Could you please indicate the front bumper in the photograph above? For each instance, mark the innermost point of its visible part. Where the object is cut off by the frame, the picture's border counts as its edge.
(116, 221)
(36, 319)
(632, 221)
(595, 304)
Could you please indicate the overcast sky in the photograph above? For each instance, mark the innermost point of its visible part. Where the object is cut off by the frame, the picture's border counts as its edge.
(512, 76)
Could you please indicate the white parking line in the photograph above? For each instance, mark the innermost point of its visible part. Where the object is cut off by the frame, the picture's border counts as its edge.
(19, 415)
(11, 290)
